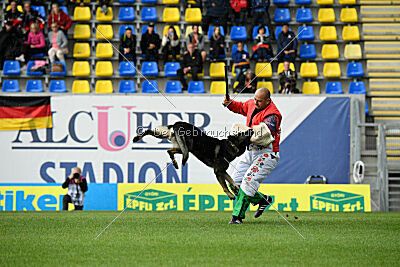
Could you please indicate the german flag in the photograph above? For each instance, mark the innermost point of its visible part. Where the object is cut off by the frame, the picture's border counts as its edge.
(24, 113)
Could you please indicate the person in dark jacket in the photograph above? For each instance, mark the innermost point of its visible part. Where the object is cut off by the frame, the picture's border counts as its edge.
(247, 83)
(287, 80)
(241, 61)
(262, 47)
(191, 63)
(217, 11)
(287, 38)
(11, 42)
(197, 39)
(259, 13)
(170, 44)
(150, 43)
(128, 45)
(77, 186)
(13, 15)
(217, 44)
(31, 16)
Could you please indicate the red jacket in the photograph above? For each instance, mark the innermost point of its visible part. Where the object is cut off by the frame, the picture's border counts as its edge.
(237, 5)
(247, 108)
(61, 19)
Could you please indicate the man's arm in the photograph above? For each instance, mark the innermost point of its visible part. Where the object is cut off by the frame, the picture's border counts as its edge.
(272, 122)
(236, 106)
(83, 185)
(66, 183)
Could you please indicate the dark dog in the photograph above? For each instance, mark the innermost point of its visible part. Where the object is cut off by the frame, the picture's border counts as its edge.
(211, 151)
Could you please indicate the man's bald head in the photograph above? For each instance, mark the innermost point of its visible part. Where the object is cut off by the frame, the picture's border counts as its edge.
(262, 98)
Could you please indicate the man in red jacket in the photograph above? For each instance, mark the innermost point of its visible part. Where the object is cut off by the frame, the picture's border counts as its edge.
(261, 157)
(58, 16)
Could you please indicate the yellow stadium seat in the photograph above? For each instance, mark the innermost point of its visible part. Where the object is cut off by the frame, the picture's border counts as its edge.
(19, 8)
(328, 33)
(104, 68)
(348, 15)
(280, 67)
(352, 51)
(326, 15)
(350, 33)
(170, 2)
(325, 2)
(332, 70)
(104, 31)
(171, 14)
(81, 50)
(104, 50)
(80, 87)
(100, 16)
(103, 87)
(217, 70)
(189, 30)
(178, 32)
(311, 88)
(263, 70)
(218, 87)
(81, 31)
(347, 2)
(268, 85)
(309, 70)
(81, 68)
(193, 15)
(82, 13)
(330, 51)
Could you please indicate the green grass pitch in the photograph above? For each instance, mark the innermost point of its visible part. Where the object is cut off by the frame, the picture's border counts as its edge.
(198, 238)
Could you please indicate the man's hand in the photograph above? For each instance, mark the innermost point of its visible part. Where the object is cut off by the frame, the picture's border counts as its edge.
(226, 102)
(151, 46)
(286, 52)
(127, 50)
(186, 70)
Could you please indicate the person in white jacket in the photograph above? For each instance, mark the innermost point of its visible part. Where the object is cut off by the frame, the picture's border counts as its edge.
(170, 44)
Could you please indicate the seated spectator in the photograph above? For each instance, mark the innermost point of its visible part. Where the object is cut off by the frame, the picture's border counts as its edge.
(247, 83)
(127, 45)
(287, 80)
(77, 186)
(194, 3)
(13, 15)
(191, 63)
(262, 48)
(150, 44)
(241, 61)
(238, 11)
(217, 44)
(285, 39)
(58, 16)
(11, 41)
(259, 11)
(58, 43)
(170, 44)
(34, 45)
(104, 4)
(197, 40)
(217, 11)
(31, 16)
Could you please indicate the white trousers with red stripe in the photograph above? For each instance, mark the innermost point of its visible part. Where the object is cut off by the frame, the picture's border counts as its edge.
(253, 167)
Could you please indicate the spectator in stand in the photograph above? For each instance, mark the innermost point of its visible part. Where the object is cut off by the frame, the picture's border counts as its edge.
(247, 83)
(170, 44)
(197, 40)
(238, 11)
(241, 61)
(191, 63)
(34, 45)
(60, 18)
(104, 4)
(31, 16)
(10, 42)
(217, 11)
(217, 44)
(287, 38)
(58, 43)
(128, 45)
(150, 44)
(262, 48)
(287, 80)
(13, 15)
(259, 11)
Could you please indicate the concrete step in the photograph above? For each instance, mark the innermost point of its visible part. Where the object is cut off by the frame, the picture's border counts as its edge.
(380, 13)
(383, 68)
(381, 31)
(384, 87)
(384, 50)
(378, 2)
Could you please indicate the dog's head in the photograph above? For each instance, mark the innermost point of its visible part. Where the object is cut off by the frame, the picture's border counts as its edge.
(237, 143)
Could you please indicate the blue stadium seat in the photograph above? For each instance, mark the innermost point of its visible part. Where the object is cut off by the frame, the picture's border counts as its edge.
(255, 31)
(282, 15)
(59, 73)
(144, 29)
(11, 67)
(234, 48)
(127, 1)
(196, 87)
(303, 2)
(170, 69)
(281, 2)
(150, 87)
(127, 68)
(304, 15)
(64, 8)
(238, 33)
(149, 68)
(122, 29)
(34, 86)
(357, 88)
(278, 30)
(173, 87)
(355, 69)
(334, 88)
(148, 14)
(149, 1)
(10, 86)
(41, 10)
(211, 31)
(126, 14)
(127, 87)
(308, 51)
(306, 33)
(29, 65)
(57, 86)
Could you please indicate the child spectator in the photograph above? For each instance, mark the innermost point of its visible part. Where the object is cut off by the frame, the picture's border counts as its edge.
(34, 45)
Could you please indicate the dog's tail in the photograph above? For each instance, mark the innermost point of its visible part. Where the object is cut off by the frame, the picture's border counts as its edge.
(182, 145)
